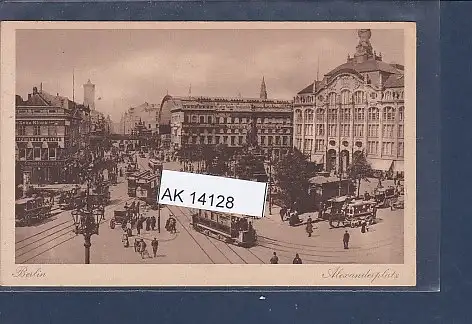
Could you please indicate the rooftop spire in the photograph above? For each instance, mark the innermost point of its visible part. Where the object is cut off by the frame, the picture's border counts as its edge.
(263, 94)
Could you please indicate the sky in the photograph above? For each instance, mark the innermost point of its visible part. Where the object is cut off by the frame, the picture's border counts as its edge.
(130, 67)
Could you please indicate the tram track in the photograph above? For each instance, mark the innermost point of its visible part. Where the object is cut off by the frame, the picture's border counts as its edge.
(228, 245)
(45, 238)
(190, 234)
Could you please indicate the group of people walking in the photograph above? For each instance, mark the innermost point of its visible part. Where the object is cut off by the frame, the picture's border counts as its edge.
(275, 259)
(140, 246)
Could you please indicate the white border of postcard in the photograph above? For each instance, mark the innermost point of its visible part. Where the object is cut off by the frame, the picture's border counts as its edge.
(200, 274)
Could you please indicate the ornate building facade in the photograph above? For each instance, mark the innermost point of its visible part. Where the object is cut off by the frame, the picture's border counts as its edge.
(214, 120)
(48, 136)
(356, 107)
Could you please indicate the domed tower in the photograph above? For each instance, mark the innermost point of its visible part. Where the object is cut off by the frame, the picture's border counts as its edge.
(364, 50)
(89, 95)
(263, 94)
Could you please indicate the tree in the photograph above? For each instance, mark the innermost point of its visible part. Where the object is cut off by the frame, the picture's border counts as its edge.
(359, 169)
(248, 165)
(292, 173)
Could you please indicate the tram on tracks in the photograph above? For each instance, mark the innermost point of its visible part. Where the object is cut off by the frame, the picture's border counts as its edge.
(133, 181)
(230, 228)
(30, 210)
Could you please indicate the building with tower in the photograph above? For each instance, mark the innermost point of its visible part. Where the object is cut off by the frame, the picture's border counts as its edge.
(356, 107)
(196, 120)
(89, 95)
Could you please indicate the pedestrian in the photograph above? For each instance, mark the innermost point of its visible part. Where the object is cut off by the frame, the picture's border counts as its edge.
(297, 259)
(155, 245)
(136, 245)
(346, 240)
(148, 223)
(363, 226)
(143, 249)
(139, 226)
(283, 211)
(153, 222)
(274, 259)
(309, 227)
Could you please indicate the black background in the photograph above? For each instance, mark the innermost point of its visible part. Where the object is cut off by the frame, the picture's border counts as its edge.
(443, 181)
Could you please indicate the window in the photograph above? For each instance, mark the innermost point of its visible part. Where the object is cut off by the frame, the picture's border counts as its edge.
(400, 148)
(332, 115)
(373, 114)
(194, 119)
(236, 120)
(210, 140)
(400, 114)
(400, 131)
(202, 119)
(225, 139)
(320, 114)
(387, 131)
(332, 98)
(373, 130)
(37, 153)
(284, 140)
(52, 130)
(217, 140)
(319, 145)
(308, 145)
(298, 115)
(332, 130)
(388, 95)
(389, 114)
(359, 97)
(20, 130)
(309, 116)
(372, 147)
(359, 114)
(233, 139)
(320, 131)
(345, 97)
(299, 129)
(345, 130)
(387, 148)
(209, 120)
(309, 130)
(22, 154)
(262, 140)
(345, 114)
(222, 120)
(240, 140)
(277, 140)
(358, 130)
(36, 130)
(52, 153)
(299, 144)
(270, 140)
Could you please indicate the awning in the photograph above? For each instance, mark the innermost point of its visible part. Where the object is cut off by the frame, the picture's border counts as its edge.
(399, 166)
(318, 158)
(380, 164)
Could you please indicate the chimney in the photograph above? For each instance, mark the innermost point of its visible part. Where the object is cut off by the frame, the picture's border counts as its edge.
(35, 90)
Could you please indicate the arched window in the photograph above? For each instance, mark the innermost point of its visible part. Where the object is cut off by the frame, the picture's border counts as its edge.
(298, 116)
(359, 114)
(401, 113)
(388, 95)
(332, 97)
(202, 119)
(309, 115)
(373, 114)
(320, 114)
(389, 114)
(345, 97)
(359, 97)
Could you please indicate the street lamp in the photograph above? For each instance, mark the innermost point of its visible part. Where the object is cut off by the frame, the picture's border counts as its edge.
(270, 182)
(86, 222)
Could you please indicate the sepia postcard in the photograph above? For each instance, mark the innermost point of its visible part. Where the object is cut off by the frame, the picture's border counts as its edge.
(286, 152)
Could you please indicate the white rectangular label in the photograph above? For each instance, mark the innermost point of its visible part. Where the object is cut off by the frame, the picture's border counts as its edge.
(212, 193)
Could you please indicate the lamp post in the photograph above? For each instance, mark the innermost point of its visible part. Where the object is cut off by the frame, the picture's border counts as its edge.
(87, 221)
(270, 182)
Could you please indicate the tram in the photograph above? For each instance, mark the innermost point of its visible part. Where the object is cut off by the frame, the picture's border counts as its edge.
(28, 210)
(230, 228)
(133, 181)
(147, 187)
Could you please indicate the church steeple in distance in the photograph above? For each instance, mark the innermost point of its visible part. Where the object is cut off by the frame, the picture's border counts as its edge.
(263, 94)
